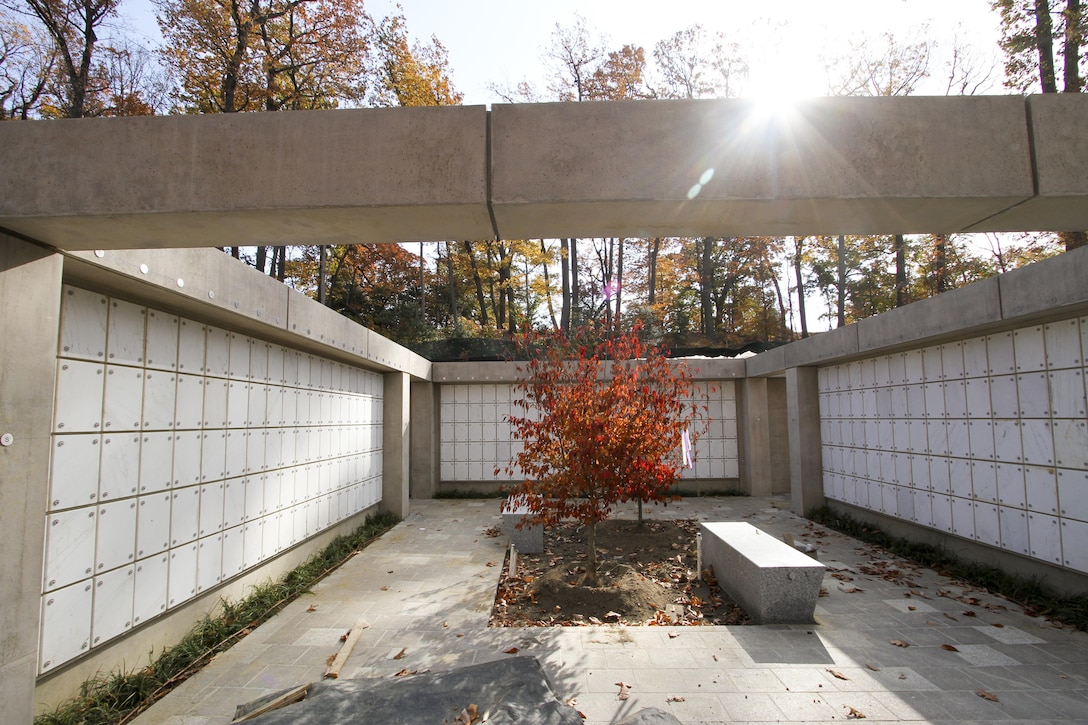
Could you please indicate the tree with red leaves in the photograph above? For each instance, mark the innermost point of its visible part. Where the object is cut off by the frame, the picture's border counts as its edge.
(602, 423)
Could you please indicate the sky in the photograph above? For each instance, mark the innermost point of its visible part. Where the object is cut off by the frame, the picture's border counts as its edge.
(503, 41)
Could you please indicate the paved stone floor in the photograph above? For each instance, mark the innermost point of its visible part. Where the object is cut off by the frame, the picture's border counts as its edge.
(425, 590)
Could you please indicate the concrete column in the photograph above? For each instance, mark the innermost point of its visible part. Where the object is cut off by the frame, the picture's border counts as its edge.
(754, 432)
(30, 294)
(806, 461)
(395, 443)
(423, 441)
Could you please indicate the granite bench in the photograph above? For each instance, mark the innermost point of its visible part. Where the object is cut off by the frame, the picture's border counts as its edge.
(529, 539)
(772, 581)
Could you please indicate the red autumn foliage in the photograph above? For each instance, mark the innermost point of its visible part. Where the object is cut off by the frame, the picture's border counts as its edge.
(601, 423)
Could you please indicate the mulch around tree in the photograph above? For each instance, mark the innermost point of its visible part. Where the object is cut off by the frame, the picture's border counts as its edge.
(647, 576)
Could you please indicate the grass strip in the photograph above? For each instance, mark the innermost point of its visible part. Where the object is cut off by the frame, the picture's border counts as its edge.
(117, 697)
(1036, 598)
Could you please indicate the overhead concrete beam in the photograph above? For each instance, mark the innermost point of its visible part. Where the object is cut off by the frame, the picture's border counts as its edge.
(625, 168)
(1059, 133)
(372, 175)
(733, 168)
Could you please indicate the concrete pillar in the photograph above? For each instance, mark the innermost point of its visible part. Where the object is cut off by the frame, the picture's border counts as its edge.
(423, 441)
(30, 294)
(754, 432)
(395, 443)
(806, 462)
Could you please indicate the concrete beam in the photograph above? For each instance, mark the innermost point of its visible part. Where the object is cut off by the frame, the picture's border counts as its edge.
(368, 175)
(1059, 137)
(624, 168)
(730, 168)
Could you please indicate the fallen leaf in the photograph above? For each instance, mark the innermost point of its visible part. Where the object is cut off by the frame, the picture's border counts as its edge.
(999, 625)
(491, 563)
(951, 617)
(673, 635)
(900, 643)
(874, 668)
(902, 676)
(987, 695)
(854, 713)
(853, 590)
(511, 651)
(969, 613)
(311, 608)
(400, 655)
(625, 690)
(912, 608)
(838, 675)
(469, 715)
(385, 588)
(405, 672)
(674, 699)
(949, 648)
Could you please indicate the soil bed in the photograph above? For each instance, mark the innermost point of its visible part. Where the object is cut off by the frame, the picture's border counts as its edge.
(647, 576)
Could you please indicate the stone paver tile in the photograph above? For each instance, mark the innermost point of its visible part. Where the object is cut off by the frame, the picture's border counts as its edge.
(911, 706)
(805, 706)
(219, 705)
(984, 656)
(1011, 635)
(805, 679)
(695, 707)
(755, 680)
(864, 702)
(751, 706)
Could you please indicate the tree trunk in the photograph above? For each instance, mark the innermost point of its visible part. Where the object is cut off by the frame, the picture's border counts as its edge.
(321, 274)
(940, 262)
(504, 285)
(1044, 42)
(1071, 50)
(841, 255)
(575, 298)
(655, 249)
(591, 579)
(564, 283)
(262, 258)
(619, 282)
(477, 282)
(798, 246)
(706, 286)
(547, 285)
(453, 290)
(900, 271)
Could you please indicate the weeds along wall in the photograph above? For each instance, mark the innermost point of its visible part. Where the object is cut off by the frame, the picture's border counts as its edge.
(984, 438)
(183, 455)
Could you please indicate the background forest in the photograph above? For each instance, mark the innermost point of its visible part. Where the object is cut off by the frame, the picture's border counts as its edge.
(74, 59)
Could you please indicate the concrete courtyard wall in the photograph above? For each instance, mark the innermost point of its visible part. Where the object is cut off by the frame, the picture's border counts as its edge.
(205, 429)
(475, 438)
(961, 420)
